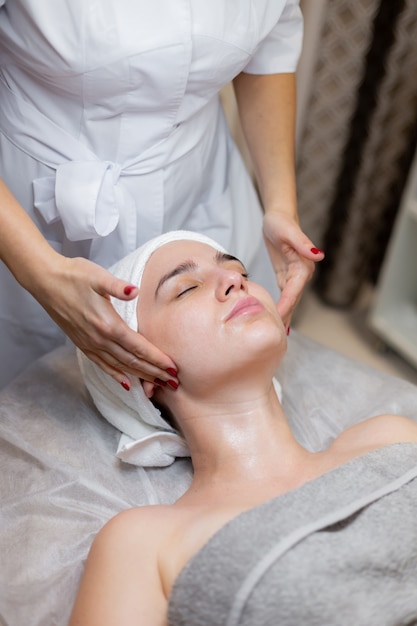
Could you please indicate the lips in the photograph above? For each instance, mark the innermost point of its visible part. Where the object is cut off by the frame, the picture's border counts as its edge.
(245, 305)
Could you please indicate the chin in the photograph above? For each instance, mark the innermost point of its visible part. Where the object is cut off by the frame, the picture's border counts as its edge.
(251, 353)
(259, 337)
(264, 349)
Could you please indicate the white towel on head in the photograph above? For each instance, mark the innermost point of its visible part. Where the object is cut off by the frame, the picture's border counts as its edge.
(147, 439)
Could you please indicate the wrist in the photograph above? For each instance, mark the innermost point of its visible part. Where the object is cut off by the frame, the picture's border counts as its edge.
(37, 272)
(287, 209)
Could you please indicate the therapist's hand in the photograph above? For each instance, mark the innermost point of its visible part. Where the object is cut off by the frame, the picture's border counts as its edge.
(293, 257)
(76, 295)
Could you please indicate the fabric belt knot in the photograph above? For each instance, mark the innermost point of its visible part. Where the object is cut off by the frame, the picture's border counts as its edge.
(85, 192)
(84, 195)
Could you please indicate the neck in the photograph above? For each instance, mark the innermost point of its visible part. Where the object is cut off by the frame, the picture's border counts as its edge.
(233, 442)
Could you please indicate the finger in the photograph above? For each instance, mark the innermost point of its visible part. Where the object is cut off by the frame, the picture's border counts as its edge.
(296, 239)
(314, 254)
(135, 351)
(148, 388)
(139, 368)
(285, 307)
(135, 367)
(116, 374)
(126, 382)
(290, 296)
(130, 350)
(305, 247)
(109, 285)
(124, 291)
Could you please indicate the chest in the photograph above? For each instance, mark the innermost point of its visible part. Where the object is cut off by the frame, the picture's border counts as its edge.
(107, 58)
(83, 34)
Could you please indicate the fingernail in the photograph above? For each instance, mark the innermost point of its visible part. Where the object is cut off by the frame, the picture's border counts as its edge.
(172, 372)
(160, 382)
(125, 386)
(128, 290)
(172, 384)
(288, 330)
(317, 251)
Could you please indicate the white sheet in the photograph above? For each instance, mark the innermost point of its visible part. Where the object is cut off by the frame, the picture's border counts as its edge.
(60, 480)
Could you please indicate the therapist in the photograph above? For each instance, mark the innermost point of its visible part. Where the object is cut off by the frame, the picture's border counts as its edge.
(112, 132)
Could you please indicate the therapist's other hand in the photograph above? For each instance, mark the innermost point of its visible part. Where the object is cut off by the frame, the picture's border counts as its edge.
(293, 256)
(77, 297)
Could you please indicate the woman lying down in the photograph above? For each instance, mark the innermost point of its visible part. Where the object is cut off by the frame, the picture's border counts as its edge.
(268, 532)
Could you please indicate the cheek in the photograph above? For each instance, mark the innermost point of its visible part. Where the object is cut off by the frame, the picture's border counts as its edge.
(189, 339)
(179, 332)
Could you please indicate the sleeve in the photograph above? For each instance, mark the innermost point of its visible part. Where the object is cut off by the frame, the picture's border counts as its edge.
(280, 49)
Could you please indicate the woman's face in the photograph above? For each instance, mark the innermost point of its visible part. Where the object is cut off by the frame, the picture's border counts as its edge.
(198, 306)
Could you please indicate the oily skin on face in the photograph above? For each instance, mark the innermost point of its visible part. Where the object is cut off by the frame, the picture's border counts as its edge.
(188, 296)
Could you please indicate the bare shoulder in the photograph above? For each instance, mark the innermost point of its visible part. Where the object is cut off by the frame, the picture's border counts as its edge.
(132, 522)
(121, 580)
(139, 531)
(376, 432)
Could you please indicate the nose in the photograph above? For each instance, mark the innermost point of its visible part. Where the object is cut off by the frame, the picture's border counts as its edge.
(230, 281)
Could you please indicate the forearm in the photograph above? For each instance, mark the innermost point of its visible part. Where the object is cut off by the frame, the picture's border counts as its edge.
(76, 293)
(266, 106)
(22, 247)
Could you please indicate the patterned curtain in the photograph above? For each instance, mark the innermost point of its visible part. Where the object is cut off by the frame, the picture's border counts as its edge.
(358, 139)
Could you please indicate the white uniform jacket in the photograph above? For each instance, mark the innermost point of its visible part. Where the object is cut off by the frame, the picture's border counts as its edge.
(111, 129)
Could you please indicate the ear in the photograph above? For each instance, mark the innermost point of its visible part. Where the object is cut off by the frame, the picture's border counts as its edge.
(148, 388)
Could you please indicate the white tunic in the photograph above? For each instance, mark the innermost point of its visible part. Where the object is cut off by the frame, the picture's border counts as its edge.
(111, 130)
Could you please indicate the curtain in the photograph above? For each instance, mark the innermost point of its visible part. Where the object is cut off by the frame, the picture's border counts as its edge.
(358, 139)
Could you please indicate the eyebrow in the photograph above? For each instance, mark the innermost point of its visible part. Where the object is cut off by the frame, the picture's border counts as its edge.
(191, 266)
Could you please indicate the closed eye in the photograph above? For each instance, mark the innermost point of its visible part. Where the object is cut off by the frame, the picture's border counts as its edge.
(245, 275)
(184, 291)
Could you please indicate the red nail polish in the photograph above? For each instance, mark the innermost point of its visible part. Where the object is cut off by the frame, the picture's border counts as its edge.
(160, 382)
(125, 386)
(288, 330)
(172, 384)
(172, 372)
(316, 251)
(128, 290)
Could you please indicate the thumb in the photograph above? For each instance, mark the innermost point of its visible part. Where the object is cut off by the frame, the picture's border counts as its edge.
(291, 235)
(123, 290)
(305, 247)
(118, 288)
(315, 254)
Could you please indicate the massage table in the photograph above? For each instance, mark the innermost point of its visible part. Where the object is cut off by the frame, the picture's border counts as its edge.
(61, 481)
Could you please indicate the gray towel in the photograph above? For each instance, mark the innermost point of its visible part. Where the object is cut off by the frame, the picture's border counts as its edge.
(338, 551)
